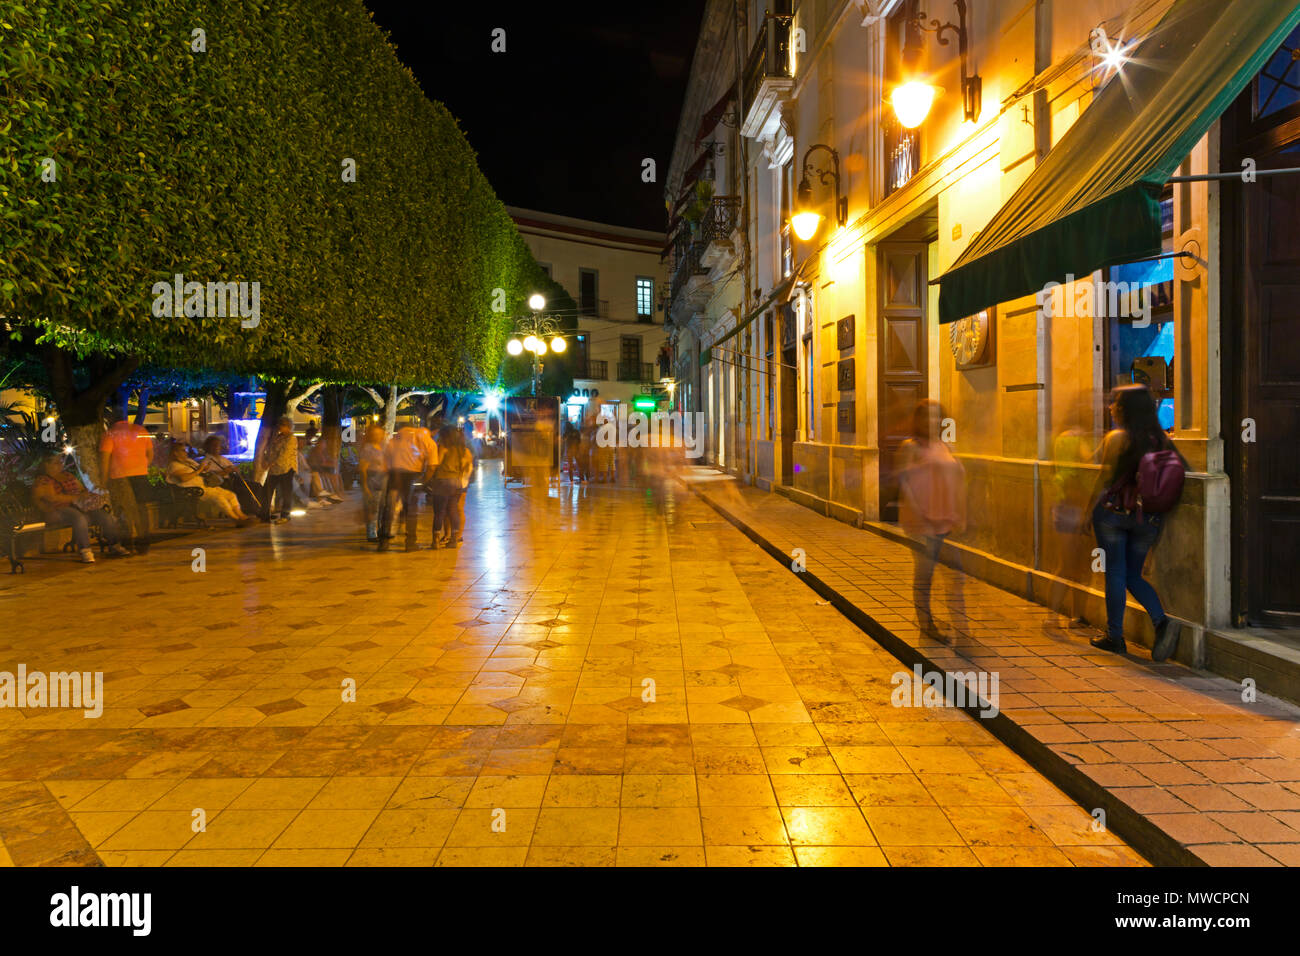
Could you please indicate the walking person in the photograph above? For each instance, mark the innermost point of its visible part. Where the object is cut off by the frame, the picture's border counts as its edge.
(1126, 526)
(450, 479)
(411, 453)
(372, 467)
(125, 453)
(280, 459)
(932, 505)
(1072, 448)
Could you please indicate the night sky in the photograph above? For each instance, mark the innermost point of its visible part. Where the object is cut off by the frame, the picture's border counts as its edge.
(563, 119)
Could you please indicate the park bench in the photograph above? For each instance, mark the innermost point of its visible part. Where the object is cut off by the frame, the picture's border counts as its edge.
(179, 504)
(19, 518)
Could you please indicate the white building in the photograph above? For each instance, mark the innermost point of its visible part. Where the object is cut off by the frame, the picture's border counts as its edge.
(616, 277)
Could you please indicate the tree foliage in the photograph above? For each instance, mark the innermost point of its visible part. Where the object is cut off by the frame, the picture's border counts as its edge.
(228, 164)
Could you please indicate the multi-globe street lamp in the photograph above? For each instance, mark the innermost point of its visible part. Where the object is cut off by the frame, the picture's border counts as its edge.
(536, 329)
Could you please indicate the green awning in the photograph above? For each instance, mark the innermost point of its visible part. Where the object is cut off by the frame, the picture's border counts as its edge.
(1095, 199)
(777, 293)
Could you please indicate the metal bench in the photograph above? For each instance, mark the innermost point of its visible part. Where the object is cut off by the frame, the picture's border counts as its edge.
(19, 518)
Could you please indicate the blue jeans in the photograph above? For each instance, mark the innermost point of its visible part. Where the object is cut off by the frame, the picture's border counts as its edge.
(1125, 542)
(79, 521)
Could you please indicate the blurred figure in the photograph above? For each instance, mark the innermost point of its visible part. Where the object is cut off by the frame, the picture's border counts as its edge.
(219, 470)
(1124, 531)
(373, 471)
(280, 459)
(184, 472)
(932, 505)
(412, 454)
(573, 451)
(125, 453)
(62, 499)
(602, 455)
(451, 477)
(1071, 449)
(324, 461)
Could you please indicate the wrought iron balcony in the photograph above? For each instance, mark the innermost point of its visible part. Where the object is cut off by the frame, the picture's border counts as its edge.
(767, 76)
(636, 372)
(596, 370)
(721, 218)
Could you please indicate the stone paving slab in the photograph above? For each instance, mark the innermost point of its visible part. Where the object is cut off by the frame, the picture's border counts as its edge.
(1185, 771)
(502, 682)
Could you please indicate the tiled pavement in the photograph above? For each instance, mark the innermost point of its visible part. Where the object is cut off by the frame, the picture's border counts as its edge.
(501, 714)
(1184, 769)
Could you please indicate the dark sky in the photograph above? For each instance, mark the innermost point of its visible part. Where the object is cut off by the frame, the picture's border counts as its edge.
(584, 92)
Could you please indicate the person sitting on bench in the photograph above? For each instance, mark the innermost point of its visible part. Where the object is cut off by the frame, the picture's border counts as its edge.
(62, 499)
(187, 473)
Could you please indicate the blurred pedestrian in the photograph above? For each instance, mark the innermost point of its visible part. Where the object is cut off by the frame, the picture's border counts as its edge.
(280, 459)
(324, 461)
(411, 454)
(1072, 449)
(125, 453)
(373, 470)
(932, 505)
(451, 478)
(1127, 530)
(573, 451)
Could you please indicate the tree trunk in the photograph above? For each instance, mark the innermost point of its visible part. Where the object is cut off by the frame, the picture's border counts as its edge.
(141, 406)
(390, 411)
(82, 410)
(331, 407)
(273, 407)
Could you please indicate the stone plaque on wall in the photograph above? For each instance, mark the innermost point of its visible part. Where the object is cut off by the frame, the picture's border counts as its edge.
(844, 333)
(847, 417)
(844, 378)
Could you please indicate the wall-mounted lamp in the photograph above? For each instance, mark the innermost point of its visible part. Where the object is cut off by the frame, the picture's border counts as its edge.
(806, 220)
(913, 97)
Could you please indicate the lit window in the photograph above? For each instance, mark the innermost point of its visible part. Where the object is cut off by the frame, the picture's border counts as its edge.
(645, 295)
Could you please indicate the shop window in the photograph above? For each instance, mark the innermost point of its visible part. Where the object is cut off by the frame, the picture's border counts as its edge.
(1137, 300)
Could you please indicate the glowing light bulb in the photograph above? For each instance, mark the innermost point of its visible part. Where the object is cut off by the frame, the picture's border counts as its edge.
(805, 224)
(558, 344)
(912, 102)
(515, 347)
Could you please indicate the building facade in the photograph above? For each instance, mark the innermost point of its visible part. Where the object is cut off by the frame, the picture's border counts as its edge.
(616, 276)
(808, 357)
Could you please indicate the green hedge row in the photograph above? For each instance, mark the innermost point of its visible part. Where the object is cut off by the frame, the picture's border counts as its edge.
(226, 165)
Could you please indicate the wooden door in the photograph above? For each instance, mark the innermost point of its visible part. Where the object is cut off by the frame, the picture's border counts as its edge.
(902, 380)
(1269, 336)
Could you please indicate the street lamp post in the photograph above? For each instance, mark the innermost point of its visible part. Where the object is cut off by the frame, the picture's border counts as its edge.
(535, 329)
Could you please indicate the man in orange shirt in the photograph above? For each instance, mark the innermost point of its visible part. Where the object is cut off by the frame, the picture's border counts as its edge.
(125, 453)
(411, 454)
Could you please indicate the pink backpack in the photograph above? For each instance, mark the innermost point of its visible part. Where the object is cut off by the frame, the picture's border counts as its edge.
(1154, 488)
(1160, 477)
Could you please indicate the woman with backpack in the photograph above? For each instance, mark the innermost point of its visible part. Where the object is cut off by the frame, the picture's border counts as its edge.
(1140, 480)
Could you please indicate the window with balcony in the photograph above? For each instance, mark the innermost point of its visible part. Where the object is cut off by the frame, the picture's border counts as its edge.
(645, 299)
(587, 289)
(630, 368)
